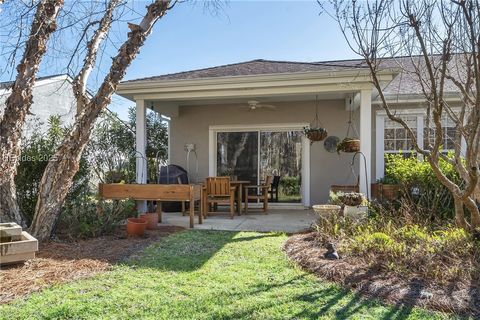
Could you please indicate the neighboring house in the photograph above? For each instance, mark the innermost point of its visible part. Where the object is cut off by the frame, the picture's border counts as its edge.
(52, 96)
(209, 108)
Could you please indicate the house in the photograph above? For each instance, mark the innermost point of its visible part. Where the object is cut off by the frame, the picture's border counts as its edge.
(227, 115)
(52, 96)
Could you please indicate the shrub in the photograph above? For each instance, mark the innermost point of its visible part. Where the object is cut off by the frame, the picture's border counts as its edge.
(82, 219)
(420, 188)
(290, 186)
(37, 150)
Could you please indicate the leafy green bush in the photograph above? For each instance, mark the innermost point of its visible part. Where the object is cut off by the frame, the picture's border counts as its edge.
(37, 150)
(420, 187)
(290, 186)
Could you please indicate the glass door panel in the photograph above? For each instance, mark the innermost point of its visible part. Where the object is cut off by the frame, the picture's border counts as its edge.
(281, 155)
(237, 155)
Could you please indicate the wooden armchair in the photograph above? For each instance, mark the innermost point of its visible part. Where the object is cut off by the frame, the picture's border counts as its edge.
(218, 190)
(260, 193)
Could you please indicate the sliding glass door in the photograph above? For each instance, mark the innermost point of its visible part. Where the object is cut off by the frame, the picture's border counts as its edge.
(237, 155)
(253, 155)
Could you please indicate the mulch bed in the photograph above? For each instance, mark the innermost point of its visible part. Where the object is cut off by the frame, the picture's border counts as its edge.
(373, 281)
(58, 262)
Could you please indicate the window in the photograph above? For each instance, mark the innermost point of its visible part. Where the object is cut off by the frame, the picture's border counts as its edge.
(449, 131)
(396, 137)
(393, 138)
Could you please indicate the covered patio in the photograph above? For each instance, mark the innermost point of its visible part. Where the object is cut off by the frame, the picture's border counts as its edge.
(208, 109)
(277, 220)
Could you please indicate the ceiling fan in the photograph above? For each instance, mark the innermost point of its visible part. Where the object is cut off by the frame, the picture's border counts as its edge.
(254, 105)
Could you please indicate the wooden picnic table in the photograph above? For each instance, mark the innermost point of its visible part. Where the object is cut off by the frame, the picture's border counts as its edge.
(156, 192)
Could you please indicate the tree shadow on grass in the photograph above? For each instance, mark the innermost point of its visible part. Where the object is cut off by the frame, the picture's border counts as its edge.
(190, 250)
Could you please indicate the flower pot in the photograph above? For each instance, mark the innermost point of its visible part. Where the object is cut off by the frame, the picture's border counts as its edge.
(136, 226)
(351, 146)
(151, 218)
(356, 213)
(326, 210)
(316, 134)
(385, 191)
(351, 199)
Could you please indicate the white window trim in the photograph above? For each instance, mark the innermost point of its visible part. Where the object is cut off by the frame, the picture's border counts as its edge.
(212, 148)
(380, 135)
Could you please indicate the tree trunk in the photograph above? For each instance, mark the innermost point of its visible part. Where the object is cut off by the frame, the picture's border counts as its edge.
(9, 210)
(58, 175)
(459, 213)
(18, 105)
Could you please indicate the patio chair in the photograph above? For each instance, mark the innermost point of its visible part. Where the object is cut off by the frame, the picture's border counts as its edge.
(273, 191)
(218, 191)
(260, 193)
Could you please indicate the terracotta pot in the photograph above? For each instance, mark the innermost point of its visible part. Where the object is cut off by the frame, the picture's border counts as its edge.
(151, 218)
(136, 226)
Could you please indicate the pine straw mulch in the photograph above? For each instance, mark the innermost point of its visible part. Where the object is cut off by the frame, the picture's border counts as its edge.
(372, 281)
(58, 262)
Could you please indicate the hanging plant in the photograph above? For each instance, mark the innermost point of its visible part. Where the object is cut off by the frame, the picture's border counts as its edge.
(350, 144)
(315, 132)
(351, 199)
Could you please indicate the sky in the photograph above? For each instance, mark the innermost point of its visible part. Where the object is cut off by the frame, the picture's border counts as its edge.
(192, 37)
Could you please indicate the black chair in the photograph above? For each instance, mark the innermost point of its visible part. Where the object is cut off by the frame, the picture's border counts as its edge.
(274, 188)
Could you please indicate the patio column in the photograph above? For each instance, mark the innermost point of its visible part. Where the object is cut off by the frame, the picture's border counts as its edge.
(365, 140)
(140, 145)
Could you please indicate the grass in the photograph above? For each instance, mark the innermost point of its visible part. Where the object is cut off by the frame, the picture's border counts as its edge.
(206, 275)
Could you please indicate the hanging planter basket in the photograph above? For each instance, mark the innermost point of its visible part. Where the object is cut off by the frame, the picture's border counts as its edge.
(349, 145)
(315, 132)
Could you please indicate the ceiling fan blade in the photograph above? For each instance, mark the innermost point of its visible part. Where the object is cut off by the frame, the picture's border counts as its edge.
(268, 106)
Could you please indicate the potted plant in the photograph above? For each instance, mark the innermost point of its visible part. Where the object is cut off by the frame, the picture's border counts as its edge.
(385, 189)
(152, 220)
(136, 226)
(349, 145)
(315, 134)
(352, 199)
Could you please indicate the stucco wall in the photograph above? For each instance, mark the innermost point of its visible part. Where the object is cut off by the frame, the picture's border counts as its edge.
(48, 99)
(192, 126)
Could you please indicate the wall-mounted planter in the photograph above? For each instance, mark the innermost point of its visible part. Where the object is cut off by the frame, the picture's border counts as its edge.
(19, 250)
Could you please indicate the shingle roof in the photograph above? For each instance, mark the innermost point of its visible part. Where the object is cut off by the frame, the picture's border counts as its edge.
(256, 67)
(8, 84)
(404, 83)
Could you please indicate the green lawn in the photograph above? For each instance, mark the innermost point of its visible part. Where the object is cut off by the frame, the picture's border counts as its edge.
(205, 275)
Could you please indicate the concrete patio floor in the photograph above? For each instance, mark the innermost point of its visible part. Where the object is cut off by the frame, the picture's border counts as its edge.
(282, 220)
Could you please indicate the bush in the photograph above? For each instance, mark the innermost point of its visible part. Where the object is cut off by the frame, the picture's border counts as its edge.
(82, 219)
(420, 188)
(37, 150)
(444, 255)
(290, 186)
